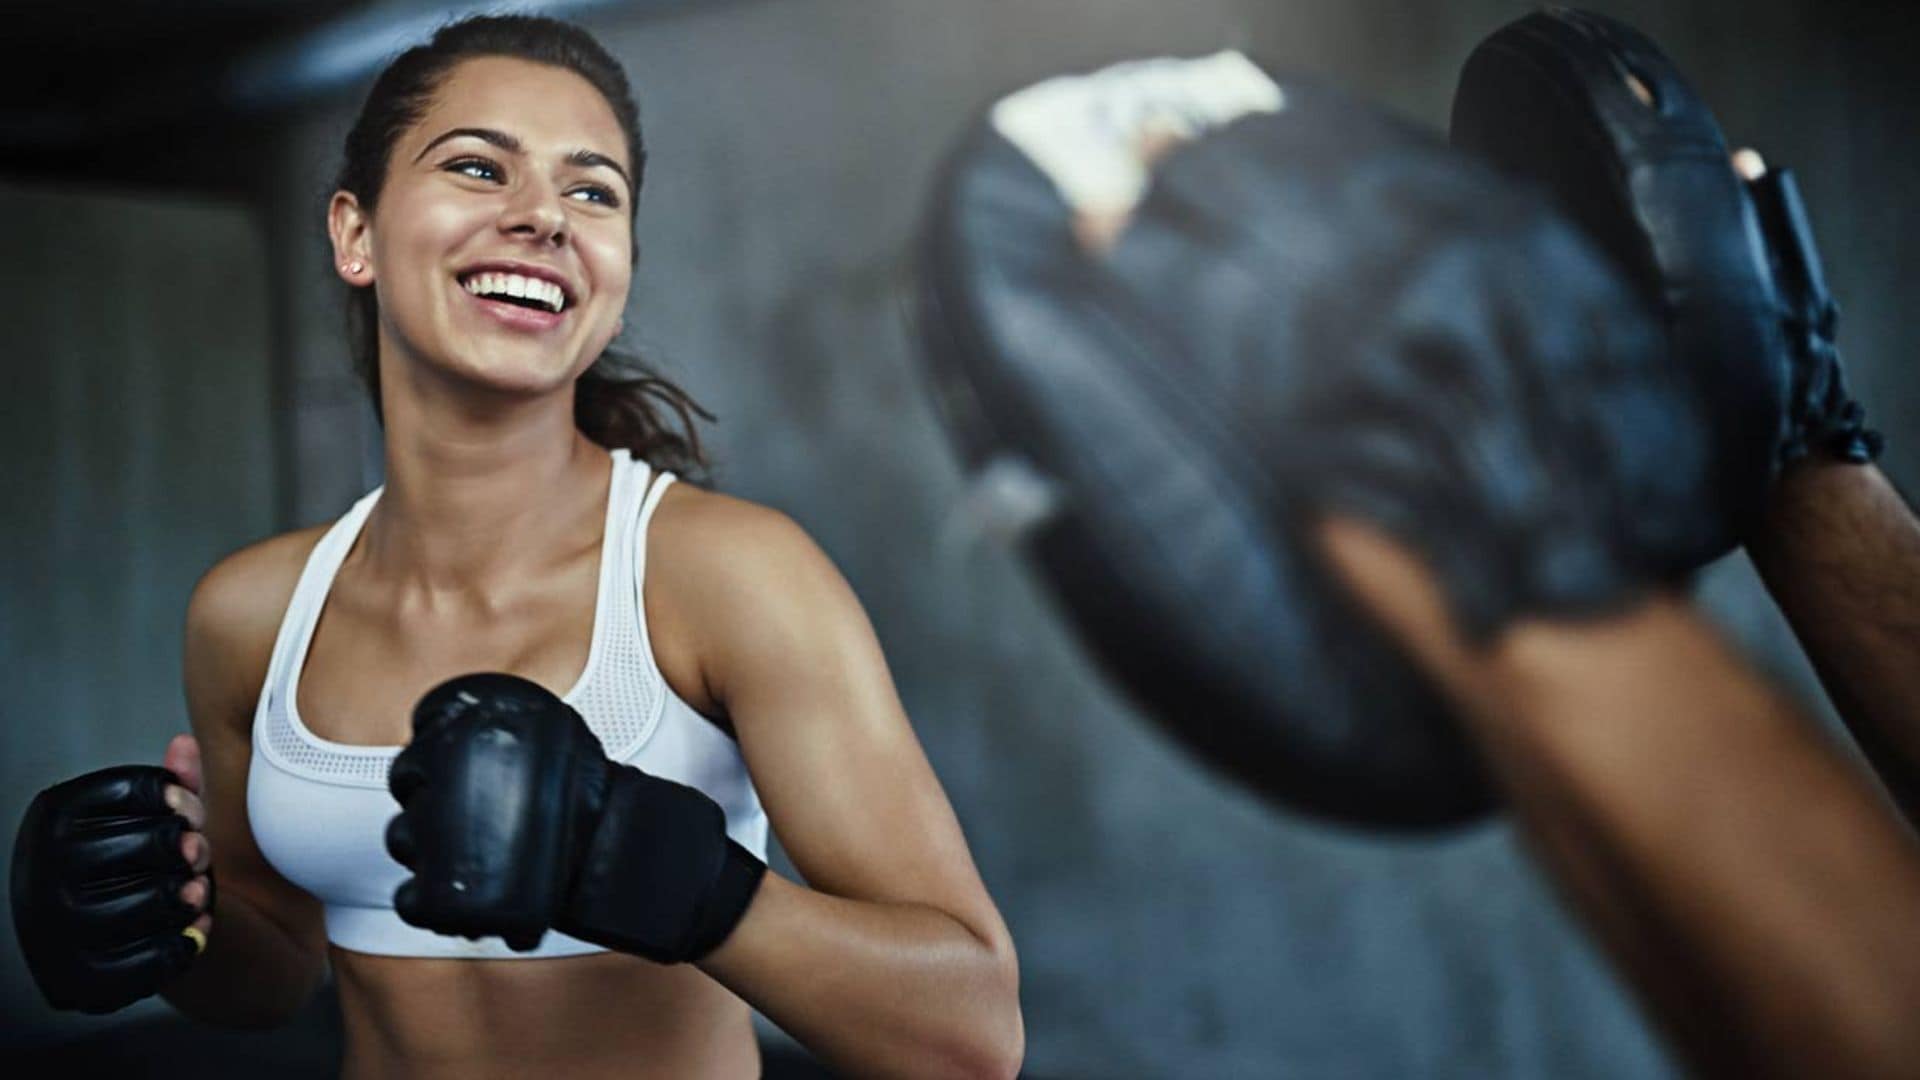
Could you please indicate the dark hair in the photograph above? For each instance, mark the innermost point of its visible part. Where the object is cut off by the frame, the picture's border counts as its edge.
(618, 402)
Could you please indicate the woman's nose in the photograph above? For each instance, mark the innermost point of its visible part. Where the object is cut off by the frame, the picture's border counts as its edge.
(535, 213)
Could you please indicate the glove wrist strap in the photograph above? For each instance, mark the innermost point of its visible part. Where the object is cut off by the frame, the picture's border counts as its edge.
(660, 878)
(727, 901)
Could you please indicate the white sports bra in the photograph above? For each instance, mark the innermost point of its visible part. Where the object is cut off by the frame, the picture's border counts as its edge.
(319, 809)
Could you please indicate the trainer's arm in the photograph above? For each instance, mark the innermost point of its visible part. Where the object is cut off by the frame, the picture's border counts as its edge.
(1745, 879)
(891, 958)
(266, 949)
(1840, 551)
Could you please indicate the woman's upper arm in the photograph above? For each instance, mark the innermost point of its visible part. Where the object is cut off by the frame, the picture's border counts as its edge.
(786, 649)
(232, 619)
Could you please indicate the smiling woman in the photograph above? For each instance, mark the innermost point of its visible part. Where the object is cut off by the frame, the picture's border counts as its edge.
(557, 864)
(619, 402)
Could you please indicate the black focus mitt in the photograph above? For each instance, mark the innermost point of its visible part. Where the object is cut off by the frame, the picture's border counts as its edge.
(1591, 109)
(1204, 308)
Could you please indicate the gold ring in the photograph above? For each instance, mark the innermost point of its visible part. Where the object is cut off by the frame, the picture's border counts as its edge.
(198, 937)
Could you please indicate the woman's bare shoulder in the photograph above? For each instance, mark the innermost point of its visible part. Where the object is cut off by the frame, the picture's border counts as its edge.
(731, 566)
(746, 600)
(689, 506)
(708, 538)
(235, 611)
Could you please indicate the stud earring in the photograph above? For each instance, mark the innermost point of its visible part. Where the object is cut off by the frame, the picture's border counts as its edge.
(354, 267)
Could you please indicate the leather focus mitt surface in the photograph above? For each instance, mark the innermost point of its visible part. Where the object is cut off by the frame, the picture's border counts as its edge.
(1594, 111)
(97, 873)
(1310, 307)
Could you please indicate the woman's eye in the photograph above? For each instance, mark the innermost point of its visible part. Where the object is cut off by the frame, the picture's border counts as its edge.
(478, 168)
(605, 196)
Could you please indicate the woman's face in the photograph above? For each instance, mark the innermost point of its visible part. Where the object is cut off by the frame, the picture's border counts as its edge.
(509, 197)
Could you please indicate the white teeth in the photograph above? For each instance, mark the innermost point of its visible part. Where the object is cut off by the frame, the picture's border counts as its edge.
(490, 284)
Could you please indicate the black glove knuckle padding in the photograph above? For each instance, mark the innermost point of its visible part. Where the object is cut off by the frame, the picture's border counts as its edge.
(1311, 310)
(105, 847)
(400, 843)
(97, 870)
(406, 903)
(516, 823)
(484, 864)
(405, 776)
(115, 912)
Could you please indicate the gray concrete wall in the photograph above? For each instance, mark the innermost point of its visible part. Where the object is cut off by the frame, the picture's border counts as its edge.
(1168, 925)
(134, 427)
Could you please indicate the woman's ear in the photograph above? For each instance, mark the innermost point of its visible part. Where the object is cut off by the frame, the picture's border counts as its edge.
(352, 234)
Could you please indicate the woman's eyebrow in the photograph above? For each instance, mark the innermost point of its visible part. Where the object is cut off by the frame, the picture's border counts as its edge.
(583, 158)
(590, 159)
(498, 138)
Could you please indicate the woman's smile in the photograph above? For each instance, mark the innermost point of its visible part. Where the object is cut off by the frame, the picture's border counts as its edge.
(517, 296)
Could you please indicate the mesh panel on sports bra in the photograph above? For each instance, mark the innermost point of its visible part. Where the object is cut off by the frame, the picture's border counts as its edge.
(621, 702)
(334, 766)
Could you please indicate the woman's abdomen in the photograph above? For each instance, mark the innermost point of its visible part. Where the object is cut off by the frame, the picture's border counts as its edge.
(602, 1015)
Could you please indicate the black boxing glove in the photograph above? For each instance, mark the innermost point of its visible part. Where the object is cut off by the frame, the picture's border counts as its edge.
(514, 822)
(97, 873)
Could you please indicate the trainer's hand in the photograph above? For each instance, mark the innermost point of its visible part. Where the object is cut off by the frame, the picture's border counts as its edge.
(1515, 678)
(110, 889)
(1401, 593)
(514, 822)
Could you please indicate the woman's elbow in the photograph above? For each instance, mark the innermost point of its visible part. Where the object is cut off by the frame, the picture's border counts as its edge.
(995, 1054)
(987, 1039)
(1012, 1049)
(1003, 1052)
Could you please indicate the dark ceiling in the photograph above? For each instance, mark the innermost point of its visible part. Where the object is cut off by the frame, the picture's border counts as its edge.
(102, 91)
(56, 33)
(68, 55)
(173, 93)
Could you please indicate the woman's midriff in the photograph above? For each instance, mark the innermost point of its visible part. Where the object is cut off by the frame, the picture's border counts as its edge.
(605, 1014)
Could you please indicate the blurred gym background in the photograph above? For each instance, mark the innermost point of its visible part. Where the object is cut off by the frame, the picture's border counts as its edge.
(176, 385)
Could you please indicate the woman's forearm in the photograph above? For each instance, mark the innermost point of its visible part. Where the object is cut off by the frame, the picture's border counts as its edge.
(876, 988)
(1743, 876)
(252, 975)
